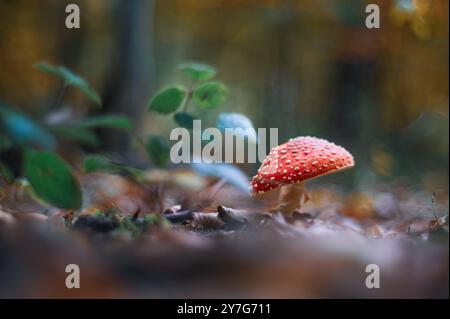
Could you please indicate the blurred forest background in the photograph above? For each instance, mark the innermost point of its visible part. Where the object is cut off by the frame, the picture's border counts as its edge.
(307, 67)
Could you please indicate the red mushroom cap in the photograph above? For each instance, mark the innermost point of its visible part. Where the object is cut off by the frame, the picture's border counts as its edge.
(297, 160)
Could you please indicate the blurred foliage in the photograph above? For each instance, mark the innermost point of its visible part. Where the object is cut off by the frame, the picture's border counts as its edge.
(50, 177)
(306, 67)
(70, 79)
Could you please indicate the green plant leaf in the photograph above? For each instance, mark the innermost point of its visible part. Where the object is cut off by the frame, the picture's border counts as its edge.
(237, 120)
(210, 94)
(184, 120)
(98, 163)
(109, 121)
(5, 141)
(75, 133)
(70, 79)
(22, 130)
(52, 180)
(168, 100)
(198, 71)
(158, 149)
(6, 173)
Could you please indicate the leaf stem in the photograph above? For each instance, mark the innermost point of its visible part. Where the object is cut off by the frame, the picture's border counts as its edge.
(188, 98)
(140, 141)
(60, 98)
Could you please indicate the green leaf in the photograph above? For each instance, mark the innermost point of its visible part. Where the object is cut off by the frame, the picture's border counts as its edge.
(158, 149)
(52, 180)
(75, 133)
(198, 71)
(210, 94)
(5, 142)
(98, 163)
(70, 79)
(22, 130)
(184, 120)
(109, 121)
(6, 173)
(439, 234)
(237, 120)
(168, 100)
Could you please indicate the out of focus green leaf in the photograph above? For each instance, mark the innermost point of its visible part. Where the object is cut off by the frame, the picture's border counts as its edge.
(168, 100)
(158, 149)
(6, 173)
(5, 142)
(22, 130)
(70, 79)
(439, 234)
(184, 119)
(109, 121)
(198, 71)
(52, 179)
(98, 163)
(75, 133)
(210, 94)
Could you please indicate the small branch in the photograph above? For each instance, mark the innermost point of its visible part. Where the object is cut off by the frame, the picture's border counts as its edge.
(179, 217)
(140, 141)
(433, 205)
(236, 218)
(60, 98)
(188, 98)
(230, 217)
(216, 188)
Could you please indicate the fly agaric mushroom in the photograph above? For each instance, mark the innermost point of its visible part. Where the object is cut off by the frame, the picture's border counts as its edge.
(288, 165)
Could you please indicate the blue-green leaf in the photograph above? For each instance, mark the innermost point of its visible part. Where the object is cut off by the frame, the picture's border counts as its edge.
(70, 79)
(184, 119)
(158, 149)
(22, 130)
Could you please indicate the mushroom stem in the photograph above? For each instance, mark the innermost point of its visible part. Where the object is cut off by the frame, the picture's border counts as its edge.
(291, 198)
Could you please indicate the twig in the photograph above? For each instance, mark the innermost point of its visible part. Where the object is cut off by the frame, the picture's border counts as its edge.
(216, 188)
(60, 98)
(433, 205)
(229, 216)
(188, 98)
(179, 217)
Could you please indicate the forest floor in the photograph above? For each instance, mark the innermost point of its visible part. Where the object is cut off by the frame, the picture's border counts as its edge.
(178, 234)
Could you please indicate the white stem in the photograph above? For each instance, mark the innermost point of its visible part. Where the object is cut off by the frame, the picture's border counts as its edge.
(291, 198)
